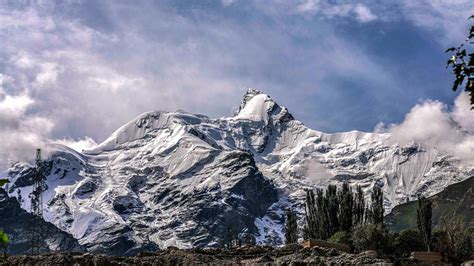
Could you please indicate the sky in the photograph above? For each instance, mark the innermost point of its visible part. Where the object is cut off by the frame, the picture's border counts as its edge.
(74, 71)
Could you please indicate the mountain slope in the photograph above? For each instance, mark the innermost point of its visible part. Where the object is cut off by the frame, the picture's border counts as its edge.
(175, 178)
(15, 222)
(455, 200)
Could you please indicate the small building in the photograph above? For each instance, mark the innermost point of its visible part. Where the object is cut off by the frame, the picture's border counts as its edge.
(427, 256)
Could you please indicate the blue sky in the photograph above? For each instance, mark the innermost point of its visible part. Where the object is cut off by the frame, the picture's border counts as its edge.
(77, 69)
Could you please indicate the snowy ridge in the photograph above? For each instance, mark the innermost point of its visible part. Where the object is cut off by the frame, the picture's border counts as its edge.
(180, 179)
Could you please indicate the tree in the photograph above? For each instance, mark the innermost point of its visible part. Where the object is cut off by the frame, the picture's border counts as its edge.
(333, 207)
(370, 237)
(291, 227)
(359, 206)
(342, 237)
(324, 224)
(311, 216)
(408, 241)
(462, 65)
(3, 182)
(346, 199)
(377, 209)
(4, 241)
(455, 242)
(423, 218)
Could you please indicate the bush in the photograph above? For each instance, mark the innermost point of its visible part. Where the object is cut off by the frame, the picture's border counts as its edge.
(342, 237)
(408, 241)
(454, 242)
(371, 237)
(4, 243)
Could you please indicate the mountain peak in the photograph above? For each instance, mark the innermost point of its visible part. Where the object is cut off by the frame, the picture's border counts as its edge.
(258, 106)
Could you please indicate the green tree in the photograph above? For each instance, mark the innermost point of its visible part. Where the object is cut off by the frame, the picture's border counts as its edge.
(462, 65)
(377, 209)
(324, 225)
(342, 237)
(408, 241)
(346, 201)
(291, 227)
(333, 207)
(359, 206)
(3, 182)
(370, 237)
(423, 218)
(4, 241)
(311, 216)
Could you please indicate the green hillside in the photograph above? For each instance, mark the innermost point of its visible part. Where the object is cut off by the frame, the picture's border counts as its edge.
(457, 199)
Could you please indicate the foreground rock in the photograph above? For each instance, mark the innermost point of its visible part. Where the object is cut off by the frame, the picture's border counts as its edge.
(295, 255)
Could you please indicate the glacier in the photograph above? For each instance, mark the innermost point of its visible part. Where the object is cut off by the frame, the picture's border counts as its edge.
(186, 180)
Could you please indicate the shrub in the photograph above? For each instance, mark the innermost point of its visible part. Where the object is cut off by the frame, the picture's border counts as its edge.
(4, 241)
(408, 241)
(371, 237)
(342, 237)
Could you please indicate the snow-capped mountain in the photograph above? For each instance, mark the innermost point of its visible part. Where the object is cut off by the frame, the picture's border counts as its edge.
(181, 179)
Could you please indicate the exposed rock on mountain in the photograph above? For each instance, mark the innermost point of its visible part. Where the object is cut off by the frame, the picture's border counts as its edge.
(15, 222)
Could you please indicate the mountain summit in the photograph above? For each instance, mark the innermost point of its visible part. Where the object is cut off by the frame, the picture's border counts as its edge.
(257, 106)
(180, 179)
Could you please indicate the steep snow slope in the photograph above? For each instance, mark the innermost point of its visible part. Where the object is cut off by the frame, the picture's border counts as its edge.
(175, 178)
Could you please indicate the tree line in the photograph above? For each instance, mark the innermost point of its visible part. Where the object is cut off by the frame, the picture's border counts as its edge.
(343, 216)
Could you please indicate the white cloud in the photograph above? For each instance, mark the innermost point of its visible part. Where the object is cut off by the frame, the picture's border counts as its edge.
(363, 13)
(431, 123)
(447, 18)
(327, 9)
(20, 132)
(227, 3)
(80, 145)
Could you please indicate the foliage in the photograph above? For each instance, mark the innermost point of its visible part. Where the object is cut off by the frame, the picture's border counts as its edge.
(462, 65)
(291, 227)
(3, 182)
(359, 206)
(371, 237)
(346, 199)
(376, 212)
(333, 210)
(342, 237)
(317, 215)
(408, 241)
(4, 241)
(424, 223)
(455, 241)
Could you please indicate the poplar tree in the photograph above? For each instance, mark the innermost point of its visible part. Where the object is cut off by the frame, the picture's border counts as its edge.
(291, 227)
(377, 205)
(346, 199)
(359, 206)
(324, 226)
(333, 209)
(423, 218)
(311, 214)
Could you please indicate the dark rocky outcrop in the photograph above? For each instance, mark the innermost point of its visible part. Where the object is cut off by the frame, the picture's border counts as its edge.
(15, 222)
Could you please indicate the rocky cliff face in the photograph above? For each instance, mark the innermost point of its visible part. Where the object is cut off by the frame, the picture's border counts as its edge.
(15, 222)
(181, 179)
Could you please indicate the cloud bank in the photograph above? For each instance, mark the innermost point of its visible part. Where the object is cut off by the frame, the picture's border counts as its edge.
(75, 71)
(431, 123)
